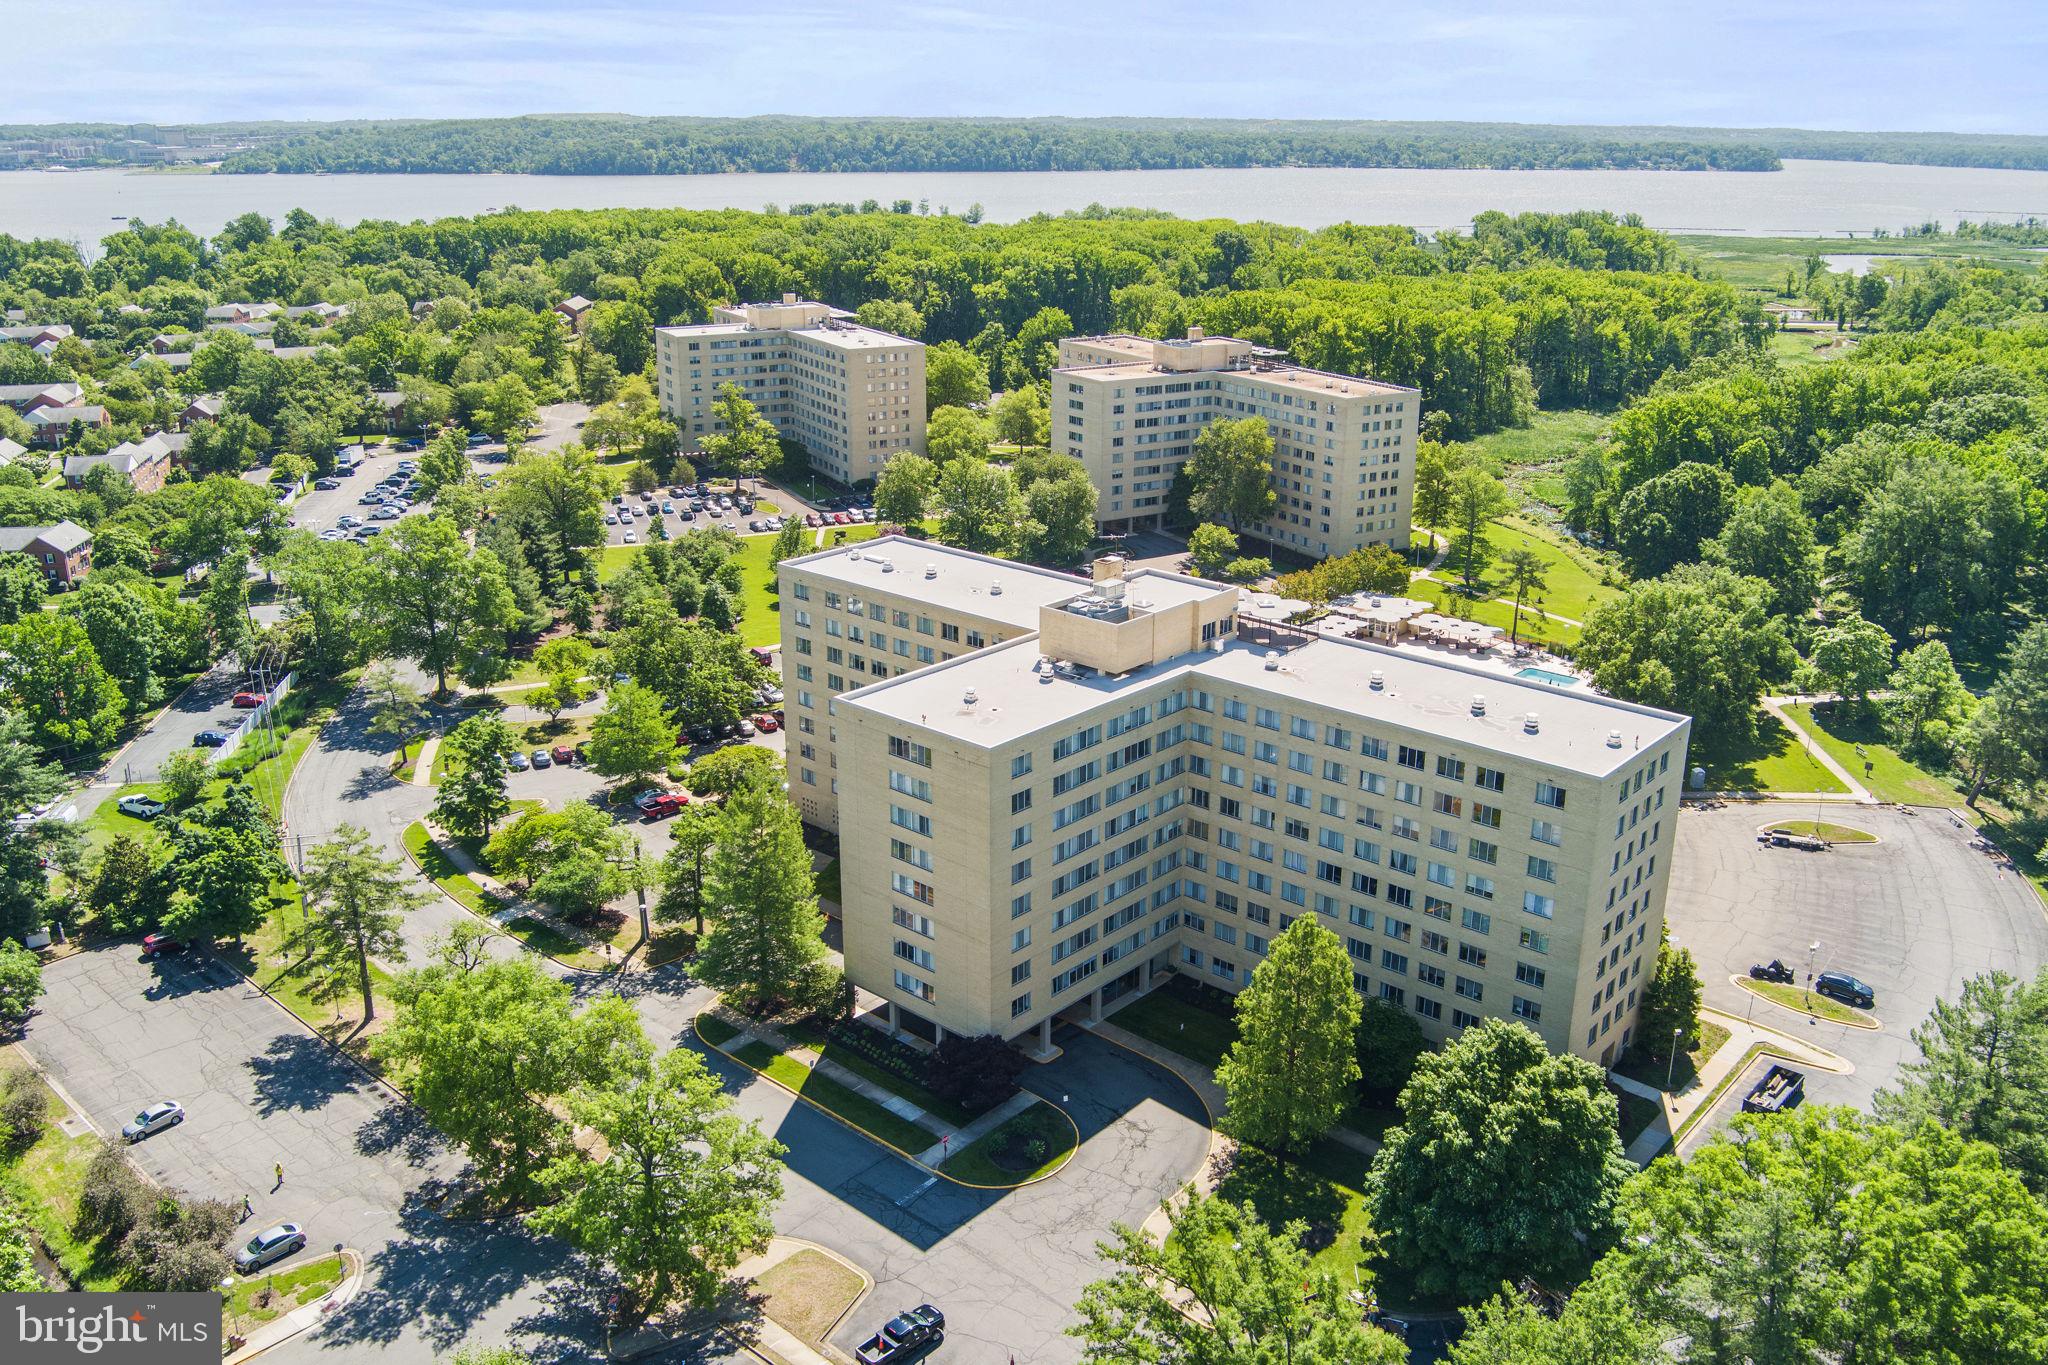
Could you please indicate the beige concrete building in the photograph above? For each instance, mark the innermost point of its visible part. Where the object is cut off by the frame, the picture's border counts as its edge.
(1148, 780)
(885, 607)
(1129, 408)
(853, 396)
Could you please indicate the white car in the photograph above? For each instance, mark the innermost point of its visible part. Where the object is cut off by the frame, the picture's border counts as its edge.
(334, 533)
(390, 511)
(140, 807)
(159, 1116)
(348, 521)
(632, 538)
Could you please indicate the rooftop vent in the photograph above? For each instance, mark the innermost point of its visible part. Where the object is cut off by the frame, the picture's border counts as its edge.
(888, 566)
(931, 571)
(995, 590)
(1379, 681)
(1529, 724)
(968, 696)
(1478, 704)
(853, 554)
(1614, 739)
(1272, 661)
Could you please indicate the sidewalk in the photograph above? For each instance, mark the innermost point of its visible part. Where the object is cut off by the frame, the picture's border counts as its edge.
(515, 906)
(305, 1316)
(1679, 1109)
(1857, 791)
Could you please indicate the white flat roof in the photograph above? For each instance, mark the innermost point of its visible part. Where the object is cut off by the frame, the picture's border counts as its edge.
(1280, 372)
(964, 582)
(845, 335)
(1422, 692)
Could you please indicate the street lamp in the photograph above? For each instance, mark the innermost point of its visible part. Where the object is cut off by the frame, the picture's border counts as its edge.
(1812, 951)
(1672, 1064)
(227, 1302)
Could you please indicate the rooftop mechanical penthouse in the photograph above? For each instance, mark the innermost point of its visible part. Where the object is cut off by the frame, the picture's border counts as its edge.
(1044, 823)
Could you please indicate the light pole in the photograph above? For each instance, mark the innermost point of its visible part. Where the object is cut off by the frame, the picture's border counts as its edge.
(1812, 951)
(1672, 1064)
(227, 1303)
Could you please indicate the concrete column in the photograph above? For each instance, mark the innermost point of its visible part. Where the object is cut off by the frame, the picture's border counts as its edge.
(938, 1032)
(1095, 1004)
(889, 1013)
(1145, 981)
(1045, 1034)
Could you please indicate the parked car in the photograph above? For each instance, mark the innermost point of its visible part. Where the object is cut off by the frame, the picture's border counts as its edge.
(903, 1336)
(611, 518)
(517, 763)
(210, 739)
(334, 533)
(631, 538)
(1846, 989)
(700, 734)
(813, 519)
(1780, 1088)
(348, 521)
(1773, 970)
(542, 759)
(162, 945)
(667, 506)
(563, 754)
(767, 724)
(659, 805)
(327, 485)
(746, 729)
(271, 1244)
(248, 700)
(159, 1116)
(762, 655)
(390, 511)
(139, 806)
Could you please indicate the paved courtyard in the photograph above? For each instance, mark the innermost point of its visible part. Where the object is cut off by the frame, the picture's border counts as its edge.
(1914, 915)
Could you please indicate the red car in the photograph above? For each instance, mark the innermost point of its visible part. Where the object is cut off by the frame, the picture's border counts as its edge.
(564, 754)
(766, 723)
(762, 656)
(659, 805)
(161, 945)
(246, 700)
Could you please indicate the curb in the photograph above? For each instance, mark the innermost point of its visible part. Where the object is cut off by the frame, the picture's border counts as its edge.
(847, 1123)
(1869, 1023)
(338, 1297)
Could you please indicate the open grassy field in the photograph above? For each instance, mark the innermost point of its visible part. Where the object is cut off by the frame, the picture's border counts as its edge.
(1639, 1065)
(44, 1181)
(1550, 438)
(1773, 762)
(762, 622)
(1808, 348)
(1858, 744)
(1761, 262)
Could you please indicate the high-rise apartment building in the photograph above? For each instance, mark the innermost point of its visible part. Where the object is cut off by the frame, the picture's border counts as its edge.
(856, 615)
(1145, 780)
(1129, 408)
(852, 395)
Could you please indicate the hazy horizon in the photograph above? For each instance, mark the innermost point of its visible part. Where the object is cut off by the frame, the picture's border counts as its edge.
(1890, 66)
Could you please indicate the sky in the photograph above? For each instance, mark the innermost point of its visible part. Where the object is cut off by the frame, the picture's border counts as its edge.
(1952, 65)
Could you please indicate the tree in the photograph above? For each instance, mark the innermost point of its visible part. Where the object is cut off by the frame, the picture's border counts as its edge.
(184, 776)
(1850, 658)
(633, 736)
(1434, 465)
(1289, 1074)
(1059, 527)
(1021, 417)
(1698, 640)
(1507, 1162)
(229, 444)
(21, 587)
(355, 904)
(488, 1053)
(1390, 1041)
(686, 1188)
(1598, 1326)
(623, 331)
(724, 771)
(692, 835)
(980, 508)
(703, 674)
(21, 983)
(766, 939)
(507, 412)
(555, 499)
(397, 709)
(891, 315)
(1222, 1289)
(1666, 521)
(471, 799)
(2008, 735)
(1248, 569)
(1588, 485)
(1671, 1005)
(955, 434)
(1982, 1072)
(574, 858)
(1769, 536)
(975, 1071)
(741, 439)
(1928, 702)
(792, 540)
(1476, 500)
(1211, 547)
(1526, 572)
(440, 603)
(51, 677)
(126, 885)
(954, 377)
(226, 604)
(326, 585)
(1230, 475)
(564, 663)
(224, 863)
(1933, 545)
(1817, 1235)
(903, 495)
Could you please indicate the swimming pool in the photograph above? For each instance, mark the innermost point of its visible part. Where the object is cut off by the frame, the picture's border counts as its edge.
(1544, 675)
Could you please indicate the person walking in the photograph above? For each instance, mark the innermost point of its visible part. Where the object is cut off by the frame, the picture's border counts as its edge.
(247, 1209)
(280, 1177)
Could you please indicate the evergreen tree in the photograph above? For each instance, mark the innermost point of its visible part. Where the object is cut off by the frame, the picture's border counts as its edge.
(1290, 1072)
(355, 903)
(766, 943)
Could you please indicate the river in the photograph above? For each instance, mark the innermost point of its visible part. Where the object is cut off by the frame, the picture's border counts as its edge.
(1806, 198)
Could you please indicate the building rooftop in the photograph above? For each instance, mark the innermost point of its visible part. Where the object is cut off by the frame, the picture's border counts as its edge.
(1138, 591)
(65, 536)
(831, 332)
(1016, 694)
(1265, 372)
(950, 579)
(1198, 353)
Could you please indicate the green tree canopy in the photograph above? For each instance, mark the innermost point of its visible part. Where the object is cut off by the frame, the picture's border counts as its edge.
(1289, 1074)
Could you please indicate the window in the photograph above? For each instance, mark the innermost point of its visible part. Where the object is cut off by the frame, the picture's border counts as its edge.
(1020, 765)
(1527, 1009)
(1550, 794)
(911, 953)
(1020, 871)
(1471, 956)
(1542, 869)
(1543, 906)
(1373, 748)
(1478, 922)
(1491, 779)
(1545, 832)
(910, 751)
(1535, 942)
(1410, 758)
(1020, 836)
(1469, 988)
(910, 853)
(1452, 769)
(911, 820)
(910, 985)
(1020, 801)
(1020, 973)
(915, 923)
(915, 787)
(1428, 1008)
(1021, 1005)
(1529, 976)
(1488, 816)
(909, 886)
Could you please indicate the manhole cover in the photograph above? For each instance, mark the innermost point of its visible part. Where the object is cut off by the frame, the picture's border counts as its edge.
(73, 1126)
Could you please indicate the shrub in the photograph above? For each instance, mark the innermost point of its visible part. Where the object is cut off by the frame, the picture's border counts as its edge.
(1389, 1041)
(24, 1109)
(975, 1073)
(179, 1246)
(113, 1198)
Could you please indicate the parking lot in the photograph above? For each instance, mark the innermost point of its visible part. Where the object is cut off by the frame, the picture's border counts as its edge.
(1914, 915)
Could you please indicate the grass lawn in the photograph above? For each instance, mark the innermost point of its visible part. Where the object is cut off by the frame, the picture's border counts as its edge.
(1838, 834)
(1805, 1001)
(808, 1293)
(45, 1181)
(715, 1030)
(267, 957)
(1773, 762)
(997, 1158)
(1761, 262)
(1639, 1065)
(1323, 1188)
(827, 878)
(257, 1301)
(1575, 582)
(762, 622)
(924, 1099)
(441, 870)
(1178, 1026)
(1860, 741)
(1637, 1113)
(1552, 437)
(1808, 348)
(834, 1098)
